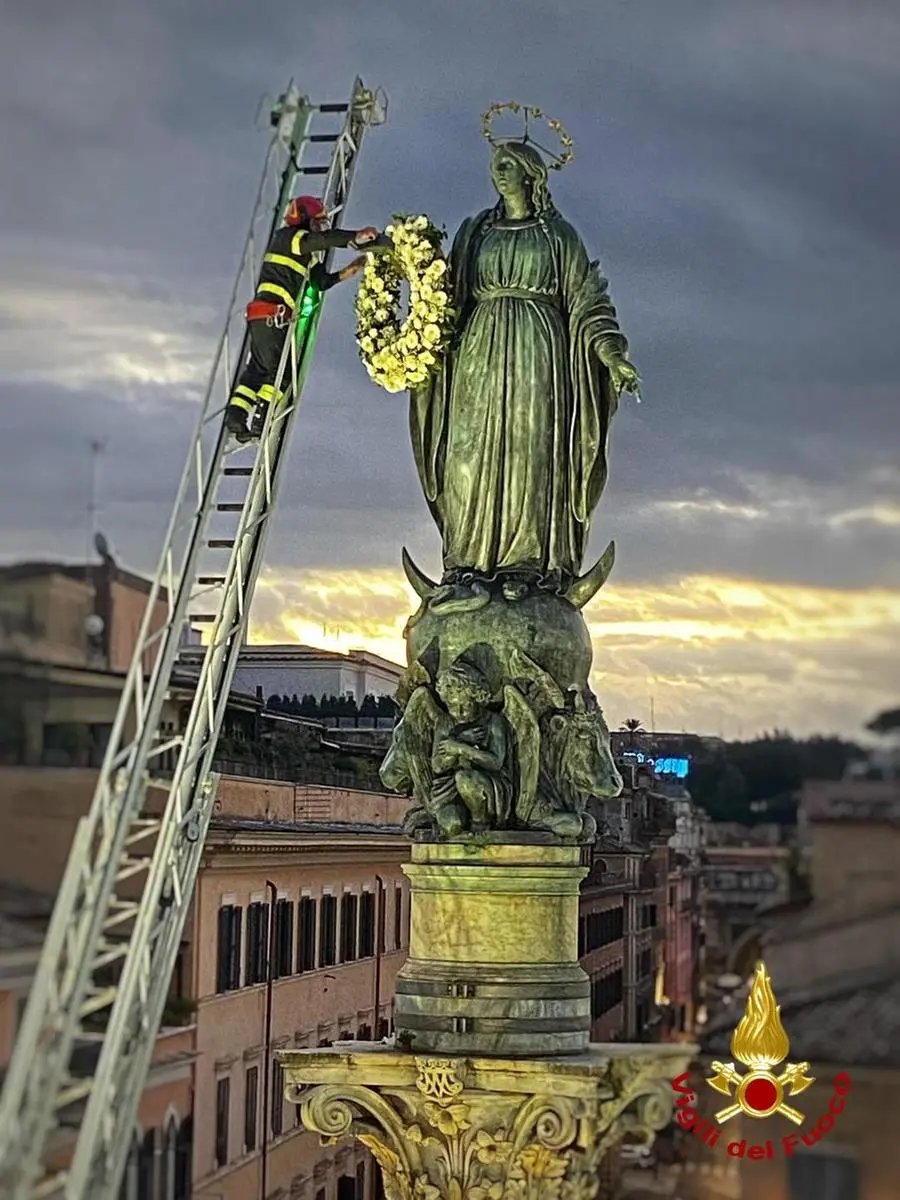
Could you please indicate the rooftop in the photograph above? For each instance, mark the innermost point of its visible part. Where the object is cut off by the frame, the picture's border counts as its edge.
(82, 572)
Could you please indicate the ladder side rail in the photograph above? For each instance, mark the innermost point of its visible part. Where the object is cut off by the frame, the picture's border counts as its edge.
(268, 467)
(335, 196)
(193, 467)
(103, 1144)
(185, 788)
(111, 810)
(191, 777)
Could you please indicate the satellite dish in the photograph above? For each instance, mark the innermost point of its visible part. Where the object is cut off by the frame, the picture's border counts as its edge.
(94, 625)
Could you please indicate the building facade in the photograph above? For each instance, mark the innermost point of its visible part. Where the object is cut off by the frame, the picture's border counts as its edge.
(835, 966)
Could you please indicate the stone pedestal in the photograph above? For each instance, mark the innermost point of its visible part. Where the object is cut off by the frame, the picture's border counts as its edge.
(493, 962)
(471, 1128)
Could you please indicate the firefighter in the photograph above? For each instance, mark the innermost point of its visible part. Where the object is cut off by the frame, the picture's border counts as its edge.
(285, 267)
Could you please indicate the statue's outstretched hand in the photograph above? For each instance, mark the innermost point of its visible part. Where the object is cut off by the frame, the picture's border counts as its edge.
(625, 377)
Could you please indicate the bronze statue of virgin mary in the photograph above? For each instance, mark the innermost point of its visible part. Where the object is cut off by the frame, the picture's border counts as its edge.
(510, 437)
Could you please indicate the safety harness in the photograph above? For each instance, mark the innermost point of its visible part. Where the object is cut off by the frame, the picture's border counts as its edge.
(274, 315)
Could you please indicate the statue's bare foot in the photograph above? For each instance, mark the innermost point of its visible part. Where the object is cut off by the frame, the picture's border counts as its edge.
(450, 819)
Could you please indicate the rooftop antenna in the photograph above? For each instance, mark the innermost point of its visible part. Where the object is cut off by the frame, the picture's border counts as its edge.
(97, 448)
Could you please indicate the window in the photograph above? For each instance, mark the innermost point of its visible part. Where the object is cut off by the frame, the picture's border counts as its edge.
(349, 916)
(277, 1099)
(223, 1103)
(257, 943)
(183, 1157)
(645, 963)
(228, 967)
(284, 939)
(146, 1180)
(606, 993)
(306, 935)
(367, 925)
(603, 928)
(167, 1161)
(327, 919)
(361, 1181)
(823, 1177)
(251, 1107)
(398, 917)
(648, 916)
(380, 917)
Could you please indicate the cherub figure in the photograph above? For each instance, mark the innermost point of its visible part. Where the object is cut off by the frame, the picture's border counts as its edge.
(458, 757)
(470, 748)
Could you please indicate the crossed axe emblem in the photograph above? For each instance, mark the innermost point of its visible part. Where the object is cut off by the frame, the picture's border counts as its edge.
(793, 1076)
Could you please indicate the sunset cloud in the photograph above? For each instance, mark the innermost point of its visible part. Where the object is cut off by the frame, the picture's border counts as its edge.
(740, 657)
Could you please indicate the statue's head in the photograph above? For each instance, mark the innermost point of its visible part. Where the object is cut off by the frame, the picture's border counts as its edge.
(518, 170)
(463, 690)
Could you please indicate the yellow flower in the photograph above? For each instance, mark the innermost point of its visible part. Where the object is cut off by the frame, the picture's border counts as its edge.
(399, 354)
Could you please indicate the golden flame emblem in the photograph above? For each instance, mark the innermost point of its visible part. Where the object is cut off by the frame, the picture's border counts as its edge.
(760, 1043)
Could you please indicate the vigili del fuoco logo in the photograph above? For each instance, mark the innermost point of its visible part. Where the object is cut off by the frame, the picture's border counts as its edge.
(760, 1044)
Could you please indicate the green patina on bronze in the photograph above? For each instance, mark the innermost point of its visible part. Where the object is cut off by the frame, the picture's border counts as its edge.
(500, 731)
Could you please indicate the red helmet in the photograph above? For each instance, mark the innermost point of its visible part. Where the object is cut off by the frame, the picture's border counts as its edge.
(303, 209)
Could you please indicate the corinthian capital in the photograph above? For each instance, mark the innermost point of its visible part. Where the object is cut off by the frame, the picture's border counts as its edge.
(485, 1129)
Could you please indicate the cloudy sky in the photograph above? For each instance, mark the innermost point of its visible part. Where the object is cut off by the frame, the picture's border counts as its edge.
(737, 173)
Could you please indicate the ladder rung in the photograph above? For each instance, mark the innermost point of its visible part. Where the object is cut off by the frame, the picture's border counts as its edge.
(229, 507)
(324, 137)
(110, 956)
(313, 171)
(98, 1002)
(51, 1185)
(333, 108)
(212, 580)
(202, 618)
(74, 1093)
(238, 471)
(221, 543)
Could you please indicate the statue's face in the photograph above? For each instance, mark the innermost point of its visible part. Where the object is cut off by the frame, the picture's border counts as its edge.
(508, 176)
(456, 698)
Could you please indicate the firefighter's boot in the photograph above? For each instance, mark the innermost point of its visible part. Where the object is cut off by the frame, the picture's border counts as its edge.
(258, 420)
(236, 422)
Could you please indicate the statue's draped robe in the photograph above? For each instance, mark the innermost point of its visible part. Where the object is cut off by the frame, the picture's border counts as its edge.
(510, 438)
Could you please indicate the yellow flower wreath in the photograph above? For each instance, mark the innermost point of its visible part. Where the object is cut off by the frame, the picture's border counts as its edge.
(401, 355)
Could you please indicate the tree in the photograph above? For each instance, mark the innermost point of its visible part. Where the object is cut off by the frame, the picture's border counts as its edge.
(369, 706)
(387, 706)
(633, 726)
(274, 702)
(885, 722)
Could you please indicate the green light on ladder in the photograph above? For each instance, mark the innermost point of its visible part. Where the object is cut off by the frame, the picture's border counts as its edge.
(309, 302)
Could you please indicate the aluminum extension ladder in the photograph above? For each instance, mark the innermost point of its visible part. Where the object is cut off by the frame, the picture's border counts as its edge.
(84, 1048)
